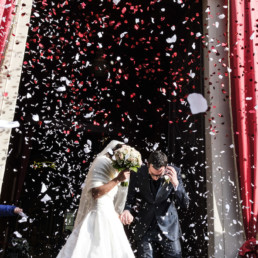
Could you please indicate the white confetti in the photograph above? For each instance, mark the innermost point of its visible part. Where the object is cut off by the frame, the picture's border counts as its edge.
(61, 89)
(46, 198)
(172, 39)
(116, 1)
(35, 118)
(87, 149)
(7, 124)
(198, 103)
(191, 74)
(123, 34)
(24, 217)
(252, 36)
(22, 214)
(43, 188)
(77, 57)
(66, 80)
(89, 115)
(17, 234)
(193, 45)
(156, 145)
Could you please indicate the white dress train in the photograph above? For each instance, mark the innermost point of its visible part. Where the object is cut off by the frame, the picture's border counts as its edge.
(98, 232)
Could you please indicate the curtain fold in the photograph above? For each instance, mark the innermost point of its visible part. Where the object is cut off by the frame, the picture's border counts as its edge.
(6, 13)
(244, 93)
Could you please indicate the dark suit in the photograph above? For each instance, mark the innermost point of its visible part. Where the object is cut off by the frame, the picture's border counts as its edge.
(154, 209)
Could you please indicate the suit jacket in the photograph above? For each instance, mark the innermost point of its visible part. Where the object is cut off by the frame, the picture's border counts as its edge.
(145, 207)
(7, 210)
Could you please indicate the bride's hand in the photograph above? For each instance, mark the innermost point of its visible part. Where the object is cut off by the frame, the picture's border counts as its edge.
(123, 175)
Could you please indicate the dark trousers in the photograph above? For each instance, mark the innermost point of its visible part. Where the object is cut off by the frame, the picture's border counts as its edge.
(155, 245)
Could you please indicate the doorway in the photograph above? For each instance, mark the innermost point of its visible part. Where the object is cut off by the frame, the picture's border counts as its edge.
(96, 71)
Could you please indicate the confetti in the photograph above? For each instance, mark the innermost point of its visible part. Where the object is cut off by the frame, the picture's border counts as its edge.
(198, 103)
(99, 70)
(7, 124)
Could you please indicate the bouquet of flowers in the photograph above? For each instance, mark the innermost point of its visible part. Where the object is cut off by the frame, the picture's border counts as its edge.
(126, 157)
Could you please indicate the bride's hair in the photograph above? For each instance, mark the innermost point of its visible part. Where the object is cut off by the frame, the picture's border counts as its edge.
(118, 146)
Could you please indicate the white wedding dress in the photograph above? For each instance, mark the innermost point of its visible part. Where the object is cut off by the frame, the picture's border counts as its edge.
(98, 232)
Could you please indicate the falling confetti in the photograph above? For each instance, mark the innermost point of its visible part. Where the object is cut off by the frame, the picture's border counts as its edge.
(95, 71)
(198, 103)
(7, 124)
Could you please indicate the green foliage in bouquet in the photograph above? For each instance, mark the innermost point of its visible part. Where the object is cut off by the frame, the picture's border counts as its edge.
(119, 169)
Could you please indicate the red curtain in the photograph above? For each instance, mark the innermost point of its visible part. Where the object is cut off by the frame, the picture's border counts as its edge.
(243, 31)
(6, 13)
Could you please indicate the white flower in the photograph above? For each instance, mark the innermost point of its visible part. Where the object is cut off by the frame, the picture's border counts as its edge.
(166, 177)
(126, 157)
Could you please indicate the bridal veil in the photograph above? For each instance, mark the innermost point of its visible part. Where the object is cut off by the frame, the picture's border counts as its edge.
(99, 174)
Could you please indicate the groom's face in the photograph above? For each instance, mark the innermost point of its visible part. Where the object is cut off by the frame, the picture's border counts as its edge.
(156, 173)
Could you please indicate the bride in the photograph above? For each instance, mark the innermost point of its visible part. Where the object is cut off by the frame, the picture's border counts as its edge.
(98, 232)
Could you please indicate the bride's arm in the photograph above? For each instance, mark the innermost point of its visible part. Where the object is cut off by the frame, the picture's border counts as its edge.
(97, 192)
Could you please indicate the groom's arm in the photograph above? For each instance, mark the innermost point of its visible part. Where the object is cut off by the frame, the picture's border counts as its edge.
(131, 196)
(180, 193)
(126, 217)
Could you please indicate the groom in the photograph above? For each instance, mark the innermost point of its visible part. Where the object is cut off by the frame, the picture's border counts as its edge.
(150, 204)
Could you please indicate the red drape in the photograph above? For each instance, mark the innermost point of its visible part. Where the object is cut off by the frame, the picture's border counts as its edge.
(6, 11)
(244, 92)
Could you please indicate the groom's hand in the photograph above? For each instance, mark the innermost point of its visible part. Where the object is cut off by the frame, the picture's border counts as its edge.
(126, 217)
(171, 173)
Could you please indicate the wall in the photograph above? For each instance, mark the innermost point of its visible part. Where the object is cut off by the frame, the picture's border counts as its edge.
(10, 73)
(225, 228)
